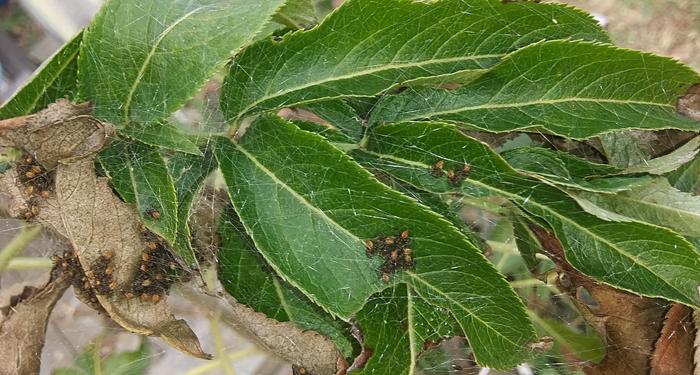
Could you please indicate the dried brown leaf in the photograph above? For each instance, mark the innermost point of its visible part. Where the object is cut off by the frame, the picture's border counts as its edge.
(86, 212)
(23, 327)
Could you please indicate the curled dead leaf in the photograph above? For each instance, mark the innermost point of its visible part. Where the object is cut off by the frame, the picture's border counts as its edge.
(23, 327)
(85, 211)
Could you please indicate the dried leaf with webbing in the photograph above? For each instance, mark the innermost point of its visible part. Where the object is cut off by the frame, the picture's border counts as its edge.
(65, 139)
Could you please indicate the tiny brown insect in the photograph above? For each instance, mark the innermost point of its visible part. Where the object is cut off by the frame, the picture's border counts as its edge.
(113, 285)
(109, 270)
(45, 194)
(145, 297)
(407, 251)
(36, 169)
(107, 255)
(302, 371)
(29, 159)
(172, 266)
(385, 278)
(467, 168)
(394, 255)
(450, 174)
(155, 214)
(86, 285)
(146, 282)
(159, 276)
(129, 295)
(143, 268)
(369, 244)
(30, 174)
(389, 240)
(29, 190)
(405, 234)
(155, 298)
(35, 210)
(28, 215)
(145, 257)
(151, 245)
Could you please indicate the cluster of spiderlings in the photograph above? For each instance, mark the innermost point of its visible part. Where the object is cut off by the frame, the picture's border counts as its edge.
(454, 177)
(100, 275)
(37, 181)
(158, 270)
(68, 266)
(395, 251)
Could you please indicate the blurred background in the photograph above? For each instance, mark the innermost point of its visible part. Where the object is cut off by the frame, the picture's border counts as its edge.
(32, 30)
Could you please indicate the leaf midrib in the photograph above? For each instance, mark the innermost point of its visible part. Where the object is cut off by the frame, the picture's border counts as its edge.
(365, 72)
(543, 207)
(147, 61)
(572, 99)
(311, 208)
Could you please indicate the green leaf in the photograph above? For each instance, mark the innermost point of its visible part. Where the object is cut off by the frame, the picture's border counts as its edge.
(657, 202)
(395, 325)
(372, 52)
(55, 79)
(330, 133)
(123, 363)
(575, 89)
(527, 242)
(569, 171)
(162, 134)
(297, 14)
(141, 59)
(671, 162)
(341, 115)
(139, 174)
(309, 209)
(189, 173)
(687, 177)
(621, 149)
(637, 257)
(585, 346)
(245, 276)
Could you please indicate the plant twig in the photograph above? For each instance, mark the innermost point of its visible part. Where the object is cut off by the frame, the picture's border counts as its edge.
(17, 245)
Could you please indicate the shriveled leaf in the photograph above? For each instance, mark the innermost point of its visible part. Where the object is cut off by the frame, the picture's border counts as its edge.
(670, 162)
(140, 60)
(397, 326)
(245, 276)
(23, 325)
(637, 257)
(311, 222)
(54, 80)
(189, 173)
(140, 176)
(575, 89)
(569, 171)
(673, 351)
(377, 44)
(162, 134)
(657, 202)
(102, 230)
